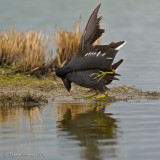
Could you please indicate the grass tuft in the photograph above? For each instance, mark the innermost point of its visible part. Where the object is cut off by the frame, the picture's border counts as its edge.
(28, 53)
(24, 52)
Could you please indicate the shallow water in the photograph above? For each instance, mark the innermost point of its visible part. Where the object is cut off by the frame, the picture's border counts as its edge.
(100, 131)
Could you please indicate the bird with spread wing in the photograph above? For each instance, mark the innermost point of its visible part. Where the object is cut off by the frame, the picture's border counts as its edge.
(91, 66)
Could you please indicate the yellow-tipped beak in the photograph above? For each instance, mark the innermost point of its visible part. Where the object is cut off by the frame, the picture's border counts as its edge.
(105, 93)
(113, 70)
(69, 93)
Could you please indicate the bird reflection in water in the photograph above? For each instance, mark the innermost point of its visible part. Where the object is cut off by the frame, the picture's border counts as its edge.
(91, 126)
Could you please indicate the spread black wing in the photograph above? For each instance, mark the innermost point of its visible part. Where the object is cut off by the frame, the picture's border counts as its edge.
(88, 56)
(101, 57)
(92, 31)
(97, 56)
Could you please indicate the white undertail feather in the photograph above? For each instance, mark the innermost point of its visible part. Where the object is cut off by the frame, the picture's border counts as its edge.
(119, 47)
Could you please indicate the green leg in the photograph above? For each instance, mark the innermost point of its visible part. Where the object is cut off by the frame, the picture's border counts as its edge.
(92, 95)
(103, 74)
(100, 97)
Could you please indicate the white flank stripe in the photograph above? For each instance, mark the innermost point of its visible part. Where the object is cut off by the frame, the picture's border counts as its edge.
(104, 54)
(98, 53)
(119, 47)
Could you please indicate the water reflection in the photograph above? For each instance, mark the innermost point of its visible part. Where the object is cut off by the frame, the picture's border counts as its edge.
(85, 131)
(18, 116)
(91, 126)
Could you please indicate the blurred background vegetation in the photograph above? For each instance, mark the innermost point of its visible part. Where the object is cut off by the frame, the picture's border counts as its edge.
(28, 52)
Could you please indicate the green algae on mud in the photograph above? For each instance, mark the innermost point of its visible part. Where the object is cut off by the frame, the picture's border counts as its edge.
(26, 90)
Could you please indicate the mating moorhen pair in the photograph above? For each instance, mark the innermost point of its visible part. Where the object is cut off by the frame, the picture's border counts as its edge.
(91, 66)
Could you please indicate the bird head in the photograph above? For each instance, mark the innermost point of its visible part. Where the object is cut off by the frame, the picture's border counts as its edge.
(67, 84)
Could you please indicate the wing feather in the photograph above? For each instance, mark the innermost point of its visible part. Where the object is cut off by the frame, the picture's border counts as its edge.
(92, 31)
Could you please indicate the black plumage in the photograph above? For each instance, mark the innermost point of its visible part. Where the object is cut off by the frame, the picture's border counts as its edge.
(88, 78)
(90, 57)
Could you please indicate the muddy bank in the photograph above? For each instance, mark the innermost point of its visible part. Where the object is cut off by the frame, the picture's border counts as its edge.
(118, 93)
(28, 90)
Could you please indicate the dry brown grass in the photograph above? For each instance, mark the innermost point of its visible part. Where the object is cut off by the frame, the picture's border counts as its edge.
(24, 52)
(66, 43)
